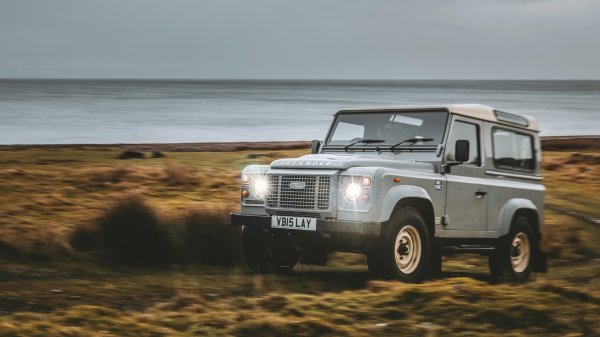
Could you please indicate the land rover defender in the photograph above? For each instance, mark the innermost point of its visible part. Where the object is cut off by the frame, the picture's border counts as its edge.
(405, 186)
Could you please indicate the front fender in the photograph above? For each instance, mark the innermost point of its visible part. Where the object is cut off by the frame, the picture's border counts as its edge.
(508, 211)
(394, 195)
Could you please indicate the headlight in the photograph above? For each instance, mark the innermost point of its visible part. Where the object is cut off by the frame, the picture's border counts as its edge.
(260, 187)
(356, 188)
(352, 191)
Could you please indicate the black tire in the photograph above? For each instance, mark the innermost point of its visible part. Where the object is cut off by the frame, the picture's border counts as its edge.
(266, 255)
(402, 224)
(502, 268)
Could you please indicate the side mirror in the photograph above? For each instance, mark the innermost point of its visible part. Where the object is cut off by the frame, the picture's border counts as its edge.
(315, 145)
(461, 155)
(461, 151)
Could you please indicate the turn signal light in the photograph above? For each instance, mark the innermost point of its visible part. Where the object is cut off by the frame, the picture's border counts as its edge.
(396, 179)
(245, 194)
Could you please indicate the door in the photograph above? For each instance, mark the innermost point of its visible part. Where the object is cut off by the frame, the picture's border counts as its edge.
(466, 202)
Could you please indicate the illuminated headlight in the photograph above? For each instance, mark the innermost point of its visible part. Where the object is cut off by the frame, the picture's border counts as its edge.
(352, 191)
(260, 187)
(356, 188)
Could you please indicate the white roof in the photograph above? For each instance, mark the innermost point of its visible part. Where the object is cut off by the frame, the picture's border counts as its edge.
(477, 111)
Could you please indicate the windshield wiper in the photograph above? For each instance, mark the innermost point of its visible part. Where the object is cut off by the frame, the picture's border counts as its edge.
(413, 140)
(363, 141)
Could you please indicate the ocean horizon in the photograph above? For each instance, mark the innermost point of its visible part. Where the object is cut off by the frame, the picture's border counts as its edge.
(108, 111)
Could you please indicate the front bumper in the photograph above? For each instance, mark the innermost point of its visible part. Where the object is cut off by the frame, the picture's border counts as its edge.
(323, 226)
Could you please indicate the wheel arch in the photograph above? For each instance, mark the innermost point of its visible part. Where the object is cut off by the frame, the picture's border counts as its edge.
(515, 208)
(420, 201)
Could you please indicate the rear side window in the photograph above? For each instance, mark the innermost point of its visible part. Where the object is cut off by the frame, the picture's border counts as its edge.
(513, 150)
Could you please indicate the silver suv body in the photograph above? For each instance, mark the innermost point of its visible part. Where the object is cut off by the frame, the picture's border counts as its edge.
(404, 185)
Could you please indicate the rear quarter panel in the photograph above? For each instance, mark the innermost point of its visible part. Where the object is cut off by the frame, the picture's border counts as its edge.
(511, 190)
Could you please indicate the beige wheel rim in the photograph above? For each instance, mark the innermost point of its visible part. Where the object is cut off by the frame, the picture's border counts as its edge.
(408, 249)
(520, 252)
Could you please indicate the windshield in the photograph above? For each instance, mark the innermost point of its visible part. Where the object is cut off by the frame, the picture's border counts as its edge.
(413, 129)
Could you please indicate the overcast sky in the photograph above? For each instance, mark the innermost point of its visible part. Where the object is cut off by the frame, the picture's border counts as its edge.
(375, 39)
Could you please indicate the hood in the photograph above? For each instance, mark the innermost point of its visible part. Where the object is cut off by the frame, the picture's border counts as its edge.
(329, 161)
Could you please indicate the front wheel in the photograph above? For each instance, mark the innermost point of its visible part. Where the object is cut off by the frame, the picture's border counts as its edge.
(406, 250)
(265, 255)
(513, 253)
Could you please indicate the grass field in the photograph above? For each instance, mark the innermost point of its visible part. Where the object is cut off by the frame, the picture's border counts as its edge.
(48, 288)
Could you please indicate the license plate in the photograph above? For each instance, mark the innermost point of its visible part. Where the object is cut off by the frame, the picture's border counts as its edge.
(292, 222)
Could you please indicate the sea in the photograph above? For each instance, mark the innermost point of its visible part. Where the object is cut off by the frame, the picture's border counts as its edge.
(174, 111)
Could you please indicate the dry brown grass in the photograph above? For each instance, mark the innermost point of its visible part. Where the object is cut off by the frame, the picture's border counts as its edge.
(47, 194)
(457, 306)
(176, 175)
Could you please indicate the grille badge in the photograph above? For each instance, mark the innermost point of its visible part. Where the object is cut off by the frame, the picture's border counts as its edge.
(297, 185)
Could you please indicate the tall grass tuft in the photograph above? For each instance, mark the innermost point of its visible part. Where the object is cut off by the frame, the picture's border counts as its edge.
(206, 238)
(84, 239)
(131, 233)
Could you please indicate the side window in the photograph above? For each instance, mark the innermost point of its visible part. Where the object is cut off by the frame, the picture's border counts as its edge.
(512, 150)
(464, 131)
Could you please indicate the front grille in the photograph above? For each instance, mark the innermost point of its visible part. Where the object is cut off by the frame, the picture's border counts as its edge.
(313, 195)
(299, 214)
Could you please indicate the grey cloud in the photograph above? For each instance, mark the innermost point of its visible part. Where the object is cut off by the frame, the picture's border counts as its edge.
(301, 39)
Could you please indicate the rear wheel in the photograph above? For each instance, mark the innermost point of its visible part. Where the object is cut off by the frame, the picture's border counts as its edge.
(264, 254)
(513, 253)
(406, 248)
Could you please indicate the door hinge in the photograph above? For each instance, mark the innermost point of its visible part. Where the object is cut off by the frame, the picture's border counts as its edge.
(445, 220)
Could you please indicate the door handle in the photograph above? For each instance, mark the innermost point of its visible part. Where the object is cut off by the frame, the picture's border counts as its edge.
(480, 194)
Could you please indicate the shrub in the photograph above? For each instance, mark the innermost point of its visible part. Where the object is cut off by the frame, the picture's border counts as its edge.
(131, 233)
(130, 154)
(7, 250)
(83, 239)
(207, 238)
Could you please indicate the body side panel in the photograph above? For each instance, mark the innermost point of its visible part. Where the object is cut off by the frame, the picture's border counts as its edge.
(511, 190)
